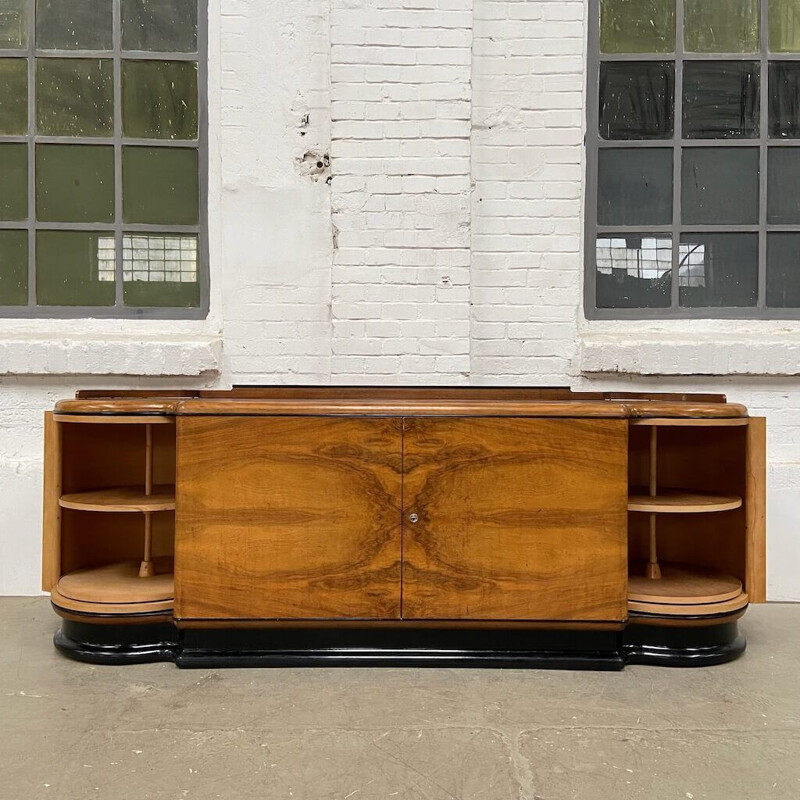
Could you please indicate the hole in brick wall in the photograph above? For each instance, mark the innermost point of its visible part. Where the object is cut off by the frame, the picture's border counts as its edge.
(313, 164)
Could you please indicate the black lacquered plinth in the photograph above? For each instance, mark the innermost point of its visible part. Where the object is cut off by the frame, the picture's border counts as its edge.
(646, 642)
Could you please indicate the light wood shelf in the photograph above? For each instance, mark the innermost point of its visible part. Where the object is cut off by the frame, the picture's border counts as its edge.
(680, 501)
(688, 422)
(108, 419)
(684, 591)
(119, 584)
(129, 499)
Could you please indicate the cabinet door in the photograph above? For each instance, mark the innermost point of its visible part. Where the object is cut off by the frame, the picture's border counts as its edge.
(520, 519)
(288, 517)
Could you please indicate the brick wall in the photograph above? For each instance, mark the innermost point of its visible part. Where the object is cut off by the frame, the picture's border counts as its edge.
(400, 92)
(528, 85)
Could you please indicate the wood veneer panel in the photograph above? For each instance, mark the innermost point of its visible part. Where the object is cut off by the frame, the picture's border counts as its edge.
(756, 510)
(518, 519)
(51, 518)
(288, 518)
(403, 407)
(398, 392)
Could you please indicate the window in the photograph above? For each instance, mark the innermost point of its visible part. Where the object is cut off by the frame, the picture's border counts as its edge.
(693, 145)
(102, 158)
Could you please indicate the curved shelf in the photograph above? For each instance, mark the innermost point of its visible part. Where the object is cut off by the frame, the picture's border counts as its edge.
(685, 591)
(129, 499)
(108, 419)
(116, 589)
(688, 422)
(681, 585)
(680, 501)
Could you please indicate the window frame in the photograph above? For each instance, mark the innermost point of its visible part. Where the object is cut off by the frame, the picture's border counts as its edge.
(117, 55)
(763, 143)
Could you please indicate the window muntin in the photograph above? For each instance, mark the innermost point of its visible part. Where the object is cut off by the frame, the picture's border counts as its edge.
(102, 155)
(693, 143)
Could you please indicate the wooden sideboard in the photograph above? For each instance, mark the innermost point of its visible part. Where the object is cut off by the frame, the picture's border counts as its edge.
(310, 525)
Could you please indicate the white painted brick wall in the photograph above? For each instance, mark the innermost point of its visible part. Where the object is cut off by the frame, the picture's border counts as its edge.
(400, 101)
(527, 165)
(274, 253)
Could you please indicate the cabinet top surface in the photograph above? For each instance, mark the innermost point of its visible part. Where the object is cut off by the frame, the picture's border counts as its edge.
(375, 401)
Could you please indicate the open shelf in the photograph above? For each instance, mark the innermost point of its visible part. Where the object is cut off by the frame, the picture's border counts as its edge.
(680, 501)
(683, 585)
(688, 422)
(117, 589)
(124, 499)
(684, 590)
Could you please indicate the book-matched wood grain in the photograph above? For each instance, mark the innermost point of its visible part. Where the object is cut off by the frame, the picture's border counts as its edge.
(282, 517)
(518, 519)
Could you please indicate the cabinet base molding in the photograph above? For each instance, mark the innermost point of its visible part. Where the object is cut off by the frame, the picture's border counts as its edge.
(644, 642)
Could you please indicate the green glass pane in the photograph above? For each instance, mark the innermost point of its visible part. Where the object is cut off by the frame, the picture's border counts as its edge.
(159, 99)
(14, 186)
(13, 97)
(721, 26)
(75, 96)
(161, 26)
(75, 268)
(74, 25)
(637, 26)
(74, 183)
(160, 270)
(160, 185)
(784, 26)
(13, 268)
(13, 24)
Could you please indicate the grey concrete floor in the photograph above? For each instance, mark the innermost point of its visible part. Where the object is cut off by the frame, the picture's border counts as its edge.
(78, 732)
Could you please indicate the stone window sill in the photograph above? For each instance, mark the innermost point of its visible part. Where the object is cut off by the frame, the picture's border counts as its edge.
(185, 350)
(704, 348)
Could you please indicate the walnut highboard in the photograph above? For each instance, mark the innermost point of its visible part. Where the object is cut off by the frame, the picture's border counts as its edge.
(476, 527)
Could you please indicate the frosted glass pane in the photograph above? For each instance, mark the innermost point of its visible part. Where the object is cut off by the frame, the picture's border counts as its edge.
(159, 99)
(160, 25)
(14, 177)
(160, 185)
(75, 268)
(13, 268)
(784, 26)
(637, 26)
(634, 186)
(75, 96)
(74, 183)
(160, 270)
(13, 24)
(721, 26)
(720, 99)
(13, 97)
(720, 185)
(74, 24)
(718, 270)
(783, 270)
(637, 100)
(633, 271)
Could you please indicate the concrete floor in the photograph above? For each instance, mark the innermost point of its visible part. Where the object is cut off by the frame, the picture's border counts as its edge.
(78, 732)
